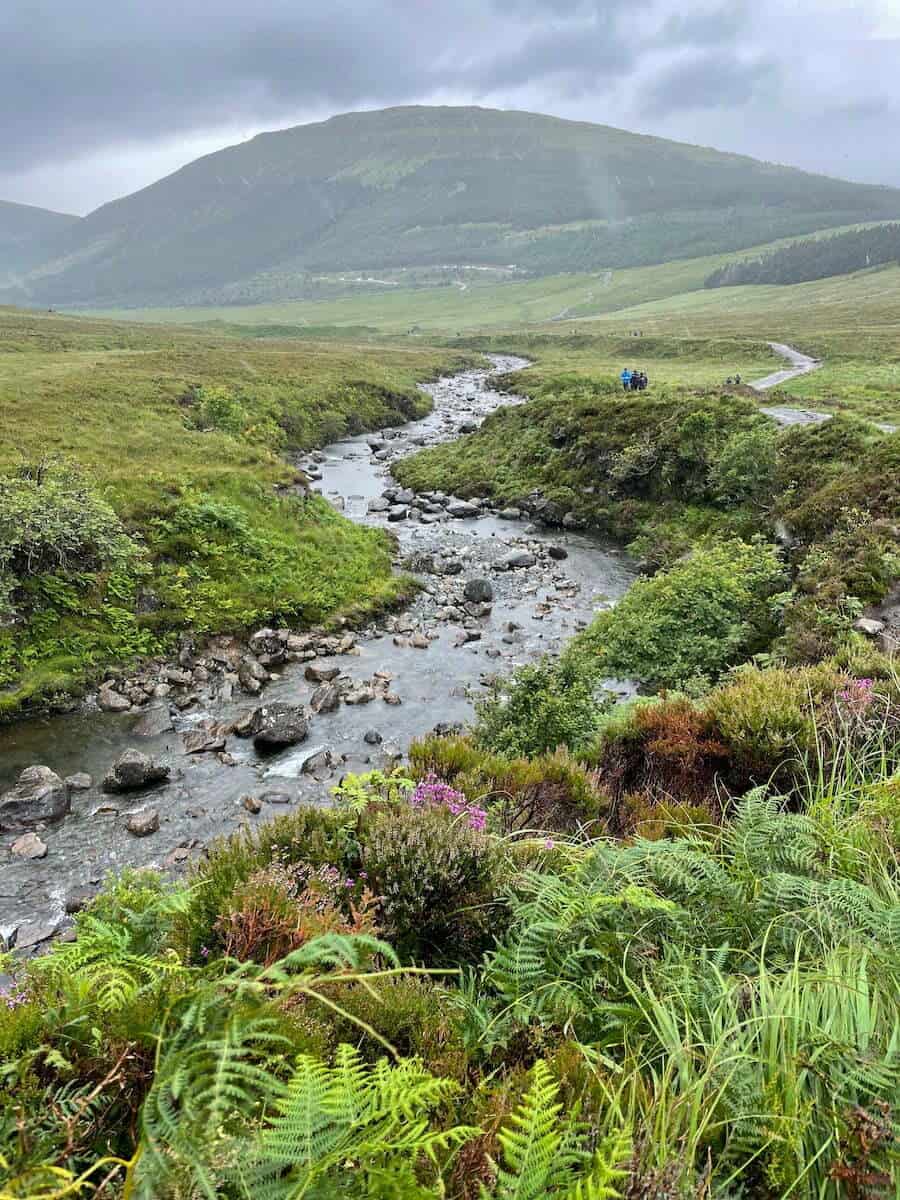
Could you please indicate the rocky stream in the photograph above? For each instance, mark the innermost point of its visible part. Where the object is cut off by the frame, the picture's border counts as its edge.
(159, 763)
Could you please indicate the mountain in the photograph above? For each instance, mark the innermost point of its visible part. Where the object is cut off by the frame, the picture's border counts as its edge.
(427, 187)
(24, 232)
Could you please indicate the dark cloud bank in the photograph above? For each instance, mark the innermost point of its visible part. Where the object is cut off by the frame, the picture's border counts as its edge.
(100, 98)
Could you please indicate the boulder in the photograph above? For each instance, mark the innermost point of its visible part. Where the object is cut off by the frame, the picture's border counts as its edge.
(397, 512)
(479, 591)
(275, 797)
(274, 727)
(379, 505)
(112, 701)
(869, 626)
(326, 698)
(251, 803)
(29, 846)
(462, 508)
(38, 797)
(516, 560)
(79, 898)
(558, 552)
(133, 770)
(80, 782)
(372, 737)
(143, 823)
(319, 674)
(154, 722)
(203, 741)
(509, 514)
(468, 427)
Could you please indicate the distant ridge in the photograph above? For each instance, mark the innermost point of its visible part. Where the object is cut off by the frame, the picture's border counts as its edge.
(23, 232)
(430, 187)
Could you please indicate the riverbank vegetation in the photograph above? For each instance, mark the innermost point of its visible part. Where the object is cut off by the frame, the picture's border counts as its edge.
(701, 474)
(143, 488)
(662, 963)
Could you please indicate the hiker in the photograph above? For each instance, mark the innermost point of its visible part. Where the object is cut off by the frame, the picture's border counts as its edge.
(635, 380)
(737, 379)
(644, 381)
(626, 379)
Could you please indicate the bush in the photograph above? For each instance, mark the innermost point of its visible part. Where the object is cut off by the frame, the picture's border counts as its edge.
(551, 792)
(539, 708)
(53, 523)
(767, 717)
(661, 753)
(435, 876)
(686, 625)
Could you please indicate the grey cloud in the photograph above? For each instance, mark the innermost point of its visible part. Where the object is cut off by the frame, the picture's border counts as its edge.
(708, 80)
(704, 28)
(88, 86)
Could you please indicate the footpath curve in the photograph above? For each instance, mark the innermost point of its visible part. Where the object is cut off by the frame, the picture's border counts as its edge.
(800, 364)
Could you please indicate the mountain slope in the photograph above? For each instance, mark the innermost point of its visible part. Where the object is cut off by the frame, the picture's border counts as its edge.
(429, 186)
(24, 230)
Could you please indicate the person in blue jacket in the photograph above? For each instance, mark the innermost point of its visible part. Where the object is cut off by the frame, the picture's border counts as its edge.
(626, 379)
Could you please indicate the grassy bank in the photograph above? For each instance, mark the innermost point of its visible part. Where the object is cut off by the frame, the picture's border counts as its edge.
(181, 435)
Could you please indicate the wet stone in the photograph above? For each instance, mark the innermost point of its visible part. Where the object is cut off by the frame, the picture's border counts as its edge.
(29, 846)
(143, 823)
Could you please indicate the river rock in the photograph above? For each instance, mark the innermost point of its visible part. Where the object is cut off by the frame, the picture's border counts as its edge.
(80, 782)
(419, 641)
(252, 675)
(143, 823)
(468, 427)
(325, 698)
(372, 737)
(868, 626)
(112, 701)
(509, 514)
(29, 846)
(516, 560)
(154, 722)
(276, 797)
(397, 512)
(362, 694)
(274, 727)
(462, 508)
(133, 770)
(38, 797)
(479, 591)
(558, 552)
(34, 932)
(203, 741)
(251, 804)
(392, 698)
(79, 898)
(319, 674)
(379, 504)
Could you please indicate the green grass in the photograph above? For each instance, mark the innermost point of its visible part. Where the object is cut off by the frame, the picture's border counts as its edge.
(224, 546)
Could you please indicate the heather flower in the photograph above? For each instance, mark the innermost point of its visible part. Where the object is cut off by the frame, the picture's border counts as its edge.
(13, 997)
(432, 792)
(204, 951)
(549, 843)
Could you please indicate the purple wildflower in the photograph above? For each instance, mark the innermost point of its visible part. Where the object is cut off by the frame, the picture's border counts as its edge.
(549, 843)
(204, 951)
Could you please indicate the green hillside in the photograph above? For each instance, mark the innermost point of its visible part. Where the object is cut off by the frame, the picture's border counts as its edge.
(24, 230)
(431, 187)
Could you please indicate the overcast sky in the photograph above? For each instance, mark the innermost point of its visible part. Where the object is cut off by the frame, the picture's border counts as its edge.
(101, 97)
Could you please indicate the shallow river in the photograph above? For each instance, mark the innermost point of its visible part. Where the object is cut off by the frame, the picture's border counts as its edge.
(535, 610)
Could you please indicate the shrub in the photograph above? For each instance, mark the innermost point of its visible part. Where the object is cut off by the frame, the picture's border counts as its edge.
(767, 716)
(661, 753)
(686, 625)
(539, 708)
(552, 792)
(52, 522)
(745, 470)
(435, 877)
(311, 835)
(280, 908)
